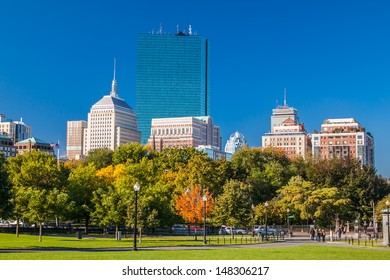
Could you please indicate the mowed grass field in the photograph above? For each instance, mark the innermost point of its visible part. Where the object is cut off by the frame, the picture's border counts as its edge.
(110, 249)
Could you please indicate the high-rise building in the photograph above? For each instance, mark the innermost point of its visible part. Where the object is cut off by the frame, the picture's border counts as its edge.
(344, 138)
(173, 77)
(287, 134)
(184, 132)
(236, 141)
(17, 130)
(111, 123)
(282, 113)
(75, 139)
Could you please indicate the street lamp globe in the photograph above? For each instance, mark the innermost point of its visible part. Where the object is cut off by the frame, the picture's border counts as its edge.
(204, 198)
(136, 187)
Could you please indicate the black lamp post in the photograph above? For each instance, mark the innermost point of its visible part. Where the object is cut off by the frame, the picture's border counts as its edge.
(266, 219)
(388, 223)
(253, 214)
(136, 190)
(307, 215)
(288, 222)
(204, 220)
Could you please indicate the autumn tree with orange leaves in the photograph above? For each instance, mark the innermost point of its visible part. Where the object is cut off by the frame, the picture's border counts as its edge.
(189, 205)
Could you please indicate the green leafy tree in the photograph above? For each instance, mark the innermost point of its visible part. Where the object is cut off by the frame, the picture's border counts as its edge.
(234, 206)
(37, 181)
(82, 183)
(129, 153)
(99, 157)
(5, 190)
(111, 206)
(295, 197)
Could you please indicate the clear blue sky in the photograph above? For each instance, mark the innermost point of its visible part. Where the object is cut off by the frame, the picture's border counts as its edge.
(56, 60)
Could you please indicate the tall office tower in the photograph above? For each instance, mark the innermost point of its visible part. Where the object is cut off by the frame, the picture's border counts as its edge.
(282, 113)
(17, 130)
(235, 142)
(75, 139)
(287, 134)
(184, 132)
(172, 77)
(342, 138)
(111, 123)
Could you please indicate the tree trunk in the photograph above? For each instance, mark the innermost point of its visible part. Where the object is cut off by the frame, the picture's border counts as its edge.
(17, 227)
(40, 232)
(116, 232)
(86, 224)
(140, 235)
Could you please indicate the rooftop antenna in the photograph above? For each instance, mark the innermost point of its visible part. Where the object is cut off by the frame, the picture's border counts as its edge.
(276, 103)
(285, 97)
(161, 29)
(190, 30)
(113, 86)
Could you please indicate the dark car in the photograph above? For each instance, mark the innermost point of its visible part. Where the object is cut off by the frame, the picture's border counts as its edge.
(179, 230)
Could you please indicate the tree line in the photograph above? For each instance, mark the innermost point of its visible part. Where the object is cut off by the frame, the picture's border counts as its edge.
(99, 189)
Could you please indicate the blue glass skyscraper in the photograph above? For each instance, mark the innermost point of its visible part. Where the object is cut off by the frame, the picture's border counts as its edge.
(172, 78)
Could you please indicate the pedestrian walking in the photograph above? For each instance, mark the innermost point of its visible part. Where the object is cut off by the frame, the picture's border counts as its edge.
(323, 234)
(312, 233)
(317, 233)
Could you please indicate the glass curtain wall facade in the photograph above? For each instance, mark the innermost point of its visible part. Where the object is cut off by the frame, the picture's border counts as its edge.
(172, 78)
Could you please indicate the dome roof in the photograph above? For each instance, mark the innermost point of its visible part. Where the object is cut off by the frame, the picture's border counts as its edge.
(235, 142)
(111, 102)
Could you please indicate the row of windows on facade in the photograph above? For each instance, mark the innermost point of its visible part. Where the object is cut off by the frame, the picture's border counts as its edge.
(172, 131)
(340, 136)
(7, 148)
(359, 142)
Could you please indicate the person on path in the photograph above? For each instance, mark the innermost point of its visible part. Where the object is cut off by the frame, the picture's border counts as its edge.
(323, 234)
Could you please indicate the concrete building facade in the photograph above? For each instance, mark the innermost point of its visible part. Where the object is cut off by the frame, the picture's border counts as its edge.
(343, 138)
(7, 146)
(17, 130)
(287, 134)
(75, 139)
(34, 143)
(184, 132)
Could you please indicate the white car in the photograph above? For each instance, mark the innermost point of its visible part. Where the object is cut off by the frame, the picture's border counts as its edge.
(228, 230)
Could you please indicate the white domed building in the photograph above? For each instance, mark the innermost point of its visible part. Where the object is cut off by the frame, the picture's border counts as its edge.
(111, 123)
(236, 141)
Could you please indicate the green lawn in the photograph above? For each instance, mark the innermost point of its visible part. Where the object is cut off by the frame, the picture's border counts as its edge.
(304, 252)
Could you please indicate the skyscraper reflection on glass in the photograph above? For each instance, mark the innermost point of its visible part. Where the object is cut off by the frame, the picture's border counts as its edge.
(172, 78)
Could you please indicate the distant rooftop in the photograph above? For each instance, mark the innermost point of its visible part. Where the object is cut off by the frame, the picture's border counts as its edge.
(33, 141)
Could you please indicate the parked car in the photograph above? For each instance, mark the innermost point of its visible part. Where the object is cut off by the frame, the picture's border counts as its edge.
(261, 230)
(228, 230)
(241, 231)
(179, 230)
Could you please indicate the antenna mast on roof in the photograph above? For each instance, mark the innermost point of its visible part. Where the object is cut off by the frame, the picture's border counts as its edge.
(161, 29)
(113, 92)
(285, 97)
